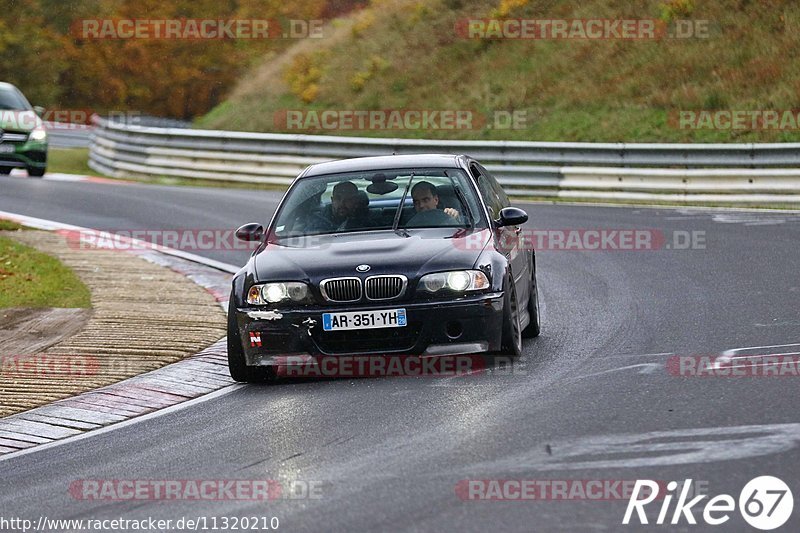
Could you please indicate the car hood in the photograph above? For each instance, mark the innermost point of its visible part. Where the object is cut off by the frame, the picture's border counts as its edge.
(17, 120)
(315, 258)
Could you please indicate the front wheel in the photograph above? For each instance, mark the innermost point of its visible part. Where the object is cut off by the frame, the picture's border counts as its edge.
(237, 365)
(512, 334)
(36, 172)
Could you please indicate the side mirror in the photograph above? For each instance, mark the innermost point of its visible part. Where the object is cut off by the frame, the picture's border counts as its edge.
(250, 232)
(512, 216)
(39, 110)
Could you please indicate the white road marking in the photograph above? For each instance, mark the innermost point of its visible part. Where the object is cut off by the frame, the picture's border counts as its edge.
(58, 176)
(646, 368)
(631, 355)
(754, 356)
(727, 355)
(656, 448)
(765, 223)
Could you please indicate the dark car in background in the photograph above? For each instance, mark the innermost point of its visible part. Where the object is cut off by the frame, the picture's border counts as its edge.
(23, 139)
(412, 255)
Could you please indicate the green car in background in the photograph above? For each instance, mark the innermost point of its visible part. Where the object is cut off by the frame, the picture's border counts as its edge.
(23, 139)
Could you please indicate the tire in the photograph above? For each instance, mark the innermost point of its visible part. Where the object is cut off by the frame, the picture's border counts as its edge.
(36, 172)
(535, 326)
(512, 334)
(237, 365)
(5, 170)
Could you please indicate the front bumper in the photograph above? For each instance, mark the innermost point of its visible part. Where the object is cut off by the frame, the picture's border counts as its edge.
(31, 154)
(466, 325)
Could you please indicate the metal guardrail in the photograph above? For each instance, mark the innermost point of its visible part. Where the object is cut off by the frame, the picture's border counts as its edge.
(68, 135)
(685, 172)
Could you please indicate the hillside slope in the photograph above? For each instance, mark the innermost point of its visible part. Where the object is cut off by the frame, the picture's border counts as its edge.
(410, 55)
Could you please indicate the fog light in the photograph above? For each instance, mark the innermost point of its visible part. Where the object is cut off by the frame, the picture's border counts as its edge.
(454, 330)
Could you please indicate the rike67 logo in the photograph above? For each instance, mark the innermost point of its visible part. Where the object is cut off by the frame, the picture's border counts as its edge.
(765, 503)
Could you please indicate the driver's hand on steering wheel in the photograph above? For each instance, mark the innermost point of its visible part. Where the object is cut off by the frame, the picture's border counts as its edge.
(451, 212)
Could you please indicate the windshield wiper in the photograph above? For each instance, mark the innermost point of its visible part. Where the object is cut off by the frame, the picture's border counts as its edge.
(463, 200)
(399, 212)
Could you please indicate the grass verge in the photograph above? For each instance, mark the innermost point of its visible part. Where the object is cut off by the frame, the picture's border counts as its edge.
(69, 161)
(29, 278)
(7, 225)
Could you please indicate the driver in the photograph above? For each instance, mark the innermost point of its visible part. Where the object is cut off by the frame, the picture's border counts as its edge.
(426, 204)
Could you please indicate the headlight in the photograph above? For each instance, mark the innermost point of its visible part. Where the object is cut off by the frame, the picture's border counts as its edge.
(38, 134)
(274, 292)
(271, 293)
(456, 281)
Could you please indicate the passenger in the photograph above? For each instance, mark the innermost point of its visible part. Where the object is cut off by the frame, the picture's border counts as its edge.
(337, 215)
(359, 218)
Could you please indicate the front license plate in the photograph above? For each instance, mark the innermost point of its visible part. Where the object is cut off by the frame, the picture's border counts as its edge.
(389, 318)
(7, 148)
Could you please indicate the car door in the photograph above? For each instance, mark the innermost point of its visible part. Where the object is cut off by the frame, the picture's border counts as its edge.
(507, 238)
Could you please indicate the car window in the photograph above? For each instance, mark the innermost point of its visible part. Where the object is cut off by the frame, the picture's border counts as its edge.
(487, 192)
(12, 99)
(499, 193)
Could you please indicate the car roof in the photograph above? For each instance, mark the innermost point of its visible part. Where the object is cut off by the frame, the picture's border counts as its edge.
(385, 162)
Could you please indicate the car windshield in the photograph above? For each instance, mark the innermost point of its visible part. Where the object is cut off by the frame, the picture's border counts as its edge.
(12, 99)
(371, 201)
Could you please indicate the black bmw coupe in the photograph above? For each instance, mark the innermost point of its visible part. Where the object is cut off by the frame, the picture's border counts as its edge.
(397, 255)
